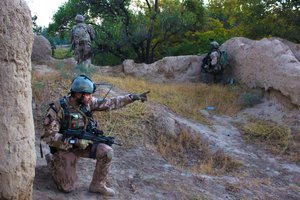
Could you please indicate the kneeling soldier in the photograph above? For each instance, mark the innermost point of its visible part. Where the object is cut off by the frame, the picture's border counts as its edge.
(74, 112)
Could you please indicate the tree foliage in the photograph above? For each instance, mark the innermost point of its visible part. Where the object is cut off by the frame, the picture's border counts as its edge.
(147, 30)
(131, 29)
(257, 18)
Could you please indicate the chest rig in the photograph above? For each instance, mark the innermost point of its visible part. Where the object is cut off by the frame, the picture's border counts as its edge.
(77, 118)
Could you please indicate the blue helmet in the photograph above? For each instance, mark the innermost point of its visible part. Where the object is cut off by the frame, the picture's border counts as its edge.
(83, 84)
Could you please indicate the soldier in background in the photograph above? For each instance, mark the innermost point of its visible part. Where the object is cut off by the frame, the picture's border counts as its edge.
(211, 64)
(81, 39)
(75, 112)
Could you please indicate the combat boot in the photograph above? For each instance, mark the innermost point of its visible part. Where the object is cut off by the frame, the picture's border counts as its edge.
(49, 160)
(103, 190)
(98, 184)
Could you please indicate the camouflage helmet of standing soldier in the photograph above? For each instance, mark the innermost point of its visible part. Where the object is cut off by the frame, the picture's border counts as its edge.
(79, 18)
(214, 44)
(83, 84)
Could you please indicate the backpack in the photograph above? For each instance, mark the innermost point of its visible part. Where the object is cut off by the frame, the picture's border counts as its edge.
(223, 58)
(81, 34)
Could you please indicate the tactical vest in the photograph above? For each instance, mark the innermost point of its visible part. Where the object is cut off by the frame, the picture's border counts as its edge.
(79, 119)
(74, 119)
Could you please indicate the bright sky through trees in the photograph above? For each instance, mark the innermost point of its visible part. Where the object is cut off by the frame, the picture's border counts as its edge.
(44, 9)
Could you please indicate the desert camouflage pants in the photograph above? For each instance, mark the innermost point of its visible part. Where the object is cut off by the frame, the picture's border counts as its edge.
(82, 52)
(63, 167)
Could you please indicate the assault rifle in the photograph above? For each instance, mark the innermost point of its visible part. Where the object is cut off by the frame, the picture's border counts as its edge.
(73, 135)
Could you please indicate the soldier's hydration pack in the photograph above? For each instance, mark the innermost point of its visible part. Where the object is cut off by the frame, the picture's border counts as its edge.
(223, 58)
(81, 34)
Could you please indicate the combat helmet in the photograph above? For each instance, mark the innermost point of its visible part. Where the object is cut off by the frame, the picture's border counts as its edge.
(214, 45)
(83, 84)
(79, 18)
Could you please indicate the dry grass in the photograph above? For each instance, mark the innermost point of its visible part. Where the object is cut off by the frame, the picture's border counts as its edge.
(185, 99)
(48, 88)
(273, 137)
(126, 124)
(192, 153)
(293, 149)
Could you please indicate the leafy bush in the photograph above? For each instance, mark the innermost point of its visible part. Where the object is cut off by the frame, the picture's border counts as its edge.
(104, 59)
(62, 53)
(250, 99)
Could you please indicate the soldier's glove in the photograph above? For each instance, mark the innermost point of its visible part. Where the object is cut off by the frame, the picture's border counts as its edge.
(142, 97)
(83, 144)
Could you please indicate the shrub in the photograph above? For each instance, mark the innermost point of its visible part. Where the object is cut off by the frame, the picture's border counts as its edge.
(62, 53)
(250, 99)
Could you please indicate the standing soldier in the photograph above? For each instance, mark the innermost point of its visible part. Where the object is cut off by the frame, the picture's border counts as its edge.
(211, 63)
(81, 40)
(75, 113)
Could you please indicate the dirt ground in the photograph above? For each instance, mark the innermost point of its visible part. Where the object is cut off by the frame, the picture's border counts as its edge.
(141, 172)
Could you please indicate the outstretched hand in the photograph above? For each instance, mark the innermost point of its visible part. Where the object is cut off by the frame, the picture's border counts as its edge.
(142, 97)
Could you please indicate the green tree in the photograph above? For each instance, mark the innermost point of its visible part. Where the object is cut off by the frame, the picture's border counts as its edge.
(124, 31)
(284, 16)
(258, 18)
(226, 11)
(184, 42)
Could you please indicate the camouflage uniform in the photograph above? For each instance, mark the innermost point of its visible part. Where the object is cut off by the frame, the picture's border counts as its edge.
(83, 49)
(211, 63)
(215, 57)
(63, 162)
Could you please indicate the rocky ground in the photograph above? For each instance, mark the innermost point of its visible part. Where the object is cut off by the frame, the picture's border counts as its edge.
(141, 172)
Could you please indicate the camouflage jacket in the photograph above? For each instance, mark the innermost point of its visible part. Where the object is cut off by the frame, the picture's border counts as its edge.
(215, 57)
(55, 117)
(88, 28)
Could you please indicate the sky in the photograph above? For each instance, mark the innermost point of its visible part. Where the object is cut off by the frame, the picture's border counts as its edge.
(44, 10)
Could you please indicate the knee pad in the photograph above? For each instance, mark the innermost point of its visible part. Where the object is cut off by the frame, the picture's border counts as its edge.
(104, 151)
(110, 154)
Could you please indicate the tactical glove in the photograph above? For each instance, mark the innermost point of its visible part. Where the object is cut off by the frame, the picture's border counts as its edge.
(83, 144)
(142, 97)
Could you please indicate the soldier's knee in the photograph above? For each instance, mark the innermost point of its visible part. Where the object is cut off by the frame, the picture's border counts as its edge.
(110, 154)
(103, 151)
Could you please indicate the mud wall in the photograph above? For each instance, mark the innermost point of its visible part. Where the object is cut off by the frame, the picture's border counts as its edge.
(17, 152)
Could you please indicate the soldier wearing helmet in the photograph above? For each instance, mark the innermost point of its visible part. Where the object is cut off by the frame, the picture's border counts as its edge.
(79, 19)
(81, 39)
(211, 63)
(75, 112)
(214, 45)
